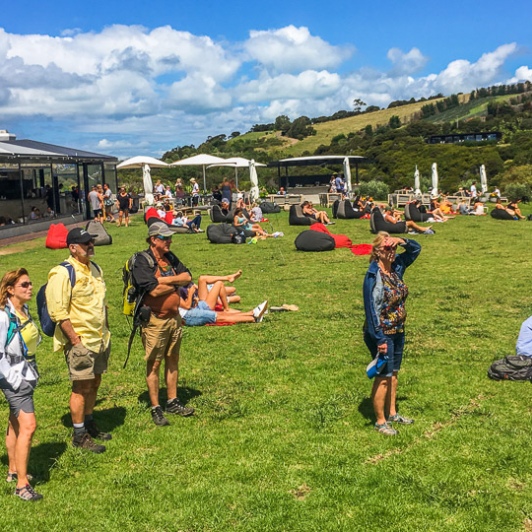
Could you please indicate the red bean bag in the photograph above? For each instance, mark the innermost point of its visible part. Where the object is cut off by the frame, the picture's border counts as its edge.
(151, 213)
(340, 241)
(362, 249)
(56, 237)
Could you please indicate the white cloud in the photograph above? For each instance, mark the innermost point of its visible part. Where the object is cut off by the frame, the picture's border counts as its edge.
(128, 87)
(308, 84)
(408, 63)
(461, 75)
(292, 49)
(523, 73)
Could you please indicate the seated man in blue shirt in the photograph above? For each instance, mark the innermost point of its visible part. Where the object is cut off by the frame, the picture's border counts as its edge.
(524, 340)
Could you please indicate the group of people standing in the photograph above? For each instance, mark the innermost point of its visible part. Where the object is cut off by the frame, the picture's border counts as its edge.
(76, 302)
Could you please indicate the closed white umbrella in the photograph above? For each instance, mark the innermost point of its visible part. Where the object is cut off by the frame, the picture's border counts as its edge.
(202, 160)
(434, 179)
(347, 174)
(254, 192)
(144, 162)
(483, 179)
(417, 183)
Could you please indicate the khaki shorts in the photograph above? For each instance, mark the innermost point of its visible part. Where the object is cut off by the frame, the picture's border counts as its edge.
(161, 338)
(84, 364)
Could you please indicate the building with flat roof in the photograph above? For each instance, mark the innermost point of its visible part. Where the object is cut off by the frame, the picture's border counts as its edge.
(39, 179)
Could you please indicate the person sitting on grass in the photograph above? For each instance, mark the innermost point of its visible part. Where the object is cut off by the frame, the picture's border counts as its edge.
(514, 210)
(478, 208)
(197, 303)
(180, 220)
(255, 213)
(212, 291)
(422, 209)
(393, 217)
(240, 221)
(310, 212)
(436, 210)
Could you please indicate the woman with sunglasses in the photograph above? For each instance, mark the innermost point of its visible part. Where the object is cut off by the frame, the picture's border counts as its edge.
(19, 338)
(385, 294)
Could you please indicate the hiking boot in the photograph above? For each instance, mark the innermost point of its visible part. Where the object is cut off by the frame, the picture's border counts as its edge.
(95, 432)
(158, 417)
(175, 407)
(84, 441)
(27, 493)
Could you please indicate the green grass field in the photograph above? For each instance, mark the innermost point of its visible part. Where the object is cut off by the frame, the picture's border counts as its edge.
(282, 438)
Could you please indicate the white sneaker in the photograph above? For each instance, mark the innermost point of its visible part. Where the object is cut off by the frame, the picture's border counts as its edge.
(259, 311)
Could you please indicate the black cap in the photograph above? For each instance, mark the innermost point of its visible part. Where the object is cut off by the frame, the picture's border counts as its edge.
(78, 236)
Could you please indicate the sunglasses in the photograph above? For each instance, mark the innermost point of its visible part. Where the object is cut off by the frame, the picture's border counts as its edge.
(388, 248)
(161, 237)
(26, 284)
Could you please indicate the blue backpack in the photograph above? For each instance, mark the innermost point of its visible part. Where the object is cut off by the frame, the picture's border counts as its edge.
(47, 324)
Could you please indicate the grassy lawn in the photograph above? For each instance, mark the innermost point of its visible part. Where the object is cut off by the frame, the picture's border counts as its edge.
(282, 438)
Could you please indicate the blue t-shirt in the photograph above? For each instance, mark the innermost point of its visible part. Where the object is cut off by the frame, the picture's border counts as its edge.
(524, 340)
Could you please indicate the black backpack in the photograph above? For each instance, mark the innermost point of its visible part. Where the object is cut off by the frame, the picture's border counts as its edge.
(511, 368)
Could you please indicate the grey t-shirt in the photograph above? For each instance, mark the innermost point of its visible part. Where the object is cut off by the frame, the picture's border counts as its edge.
(94, 200)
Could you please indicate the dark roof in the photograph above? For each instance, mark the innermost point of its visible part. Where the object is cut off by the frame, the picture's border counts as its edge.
(26, 149)
(317, 160)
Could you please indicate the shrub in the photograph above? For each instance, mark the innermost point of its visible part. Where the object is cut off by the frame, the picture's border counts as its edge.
(376, 189)
(516, 190)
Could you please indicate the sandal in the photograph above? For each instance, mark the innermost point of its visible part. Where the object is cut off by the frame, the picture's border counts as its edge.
(400, 419)
(385, 429)
(13, 477)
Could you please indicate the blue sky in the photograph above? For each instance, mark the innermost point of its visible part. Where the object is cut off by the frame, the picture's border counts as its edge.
(139, 78)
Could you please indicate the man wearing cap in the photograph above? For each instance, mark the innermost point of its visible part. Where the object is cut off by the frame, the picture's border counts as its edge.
(159, 278)
(76, 300)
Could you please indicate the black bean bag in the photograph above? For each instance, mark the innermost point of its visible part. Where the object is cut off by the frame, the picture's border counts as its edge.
(314, 241)
(345, 211)
(415, 214)
(100, 235)
(217, 216)
(501, 214)
(378, 223)
(269, 207)
(221, 233)
(296, 216)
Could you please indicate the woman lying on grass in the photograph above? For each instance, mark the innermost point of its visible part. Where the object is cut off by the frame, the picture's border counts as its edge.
(198, 302)
(385, 294)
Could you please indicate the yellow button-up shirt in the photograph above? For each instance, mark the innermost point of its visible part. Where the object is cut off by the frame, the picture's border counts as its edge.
(84, 304)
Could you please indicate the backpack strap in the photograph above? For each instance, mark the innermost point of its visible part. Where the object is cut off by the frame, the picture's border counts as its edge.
(138, 302)
(14, 329)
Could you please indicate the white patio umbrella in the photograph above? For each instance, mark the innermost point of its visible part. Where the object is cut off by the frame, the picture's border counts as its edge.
(254, 192)
(483, 179)
(237, 162)
(202, 160)
(434, 191)
(417, 183)
(144, 162)
(347, 174)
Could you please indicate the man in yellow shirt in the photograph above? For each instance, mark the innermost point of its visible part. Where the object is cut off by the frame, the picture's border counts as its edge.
(82, 332)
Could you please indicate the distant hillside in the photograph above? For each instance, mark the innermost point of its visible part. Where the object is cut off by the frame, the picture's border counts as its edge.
(327, 131)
